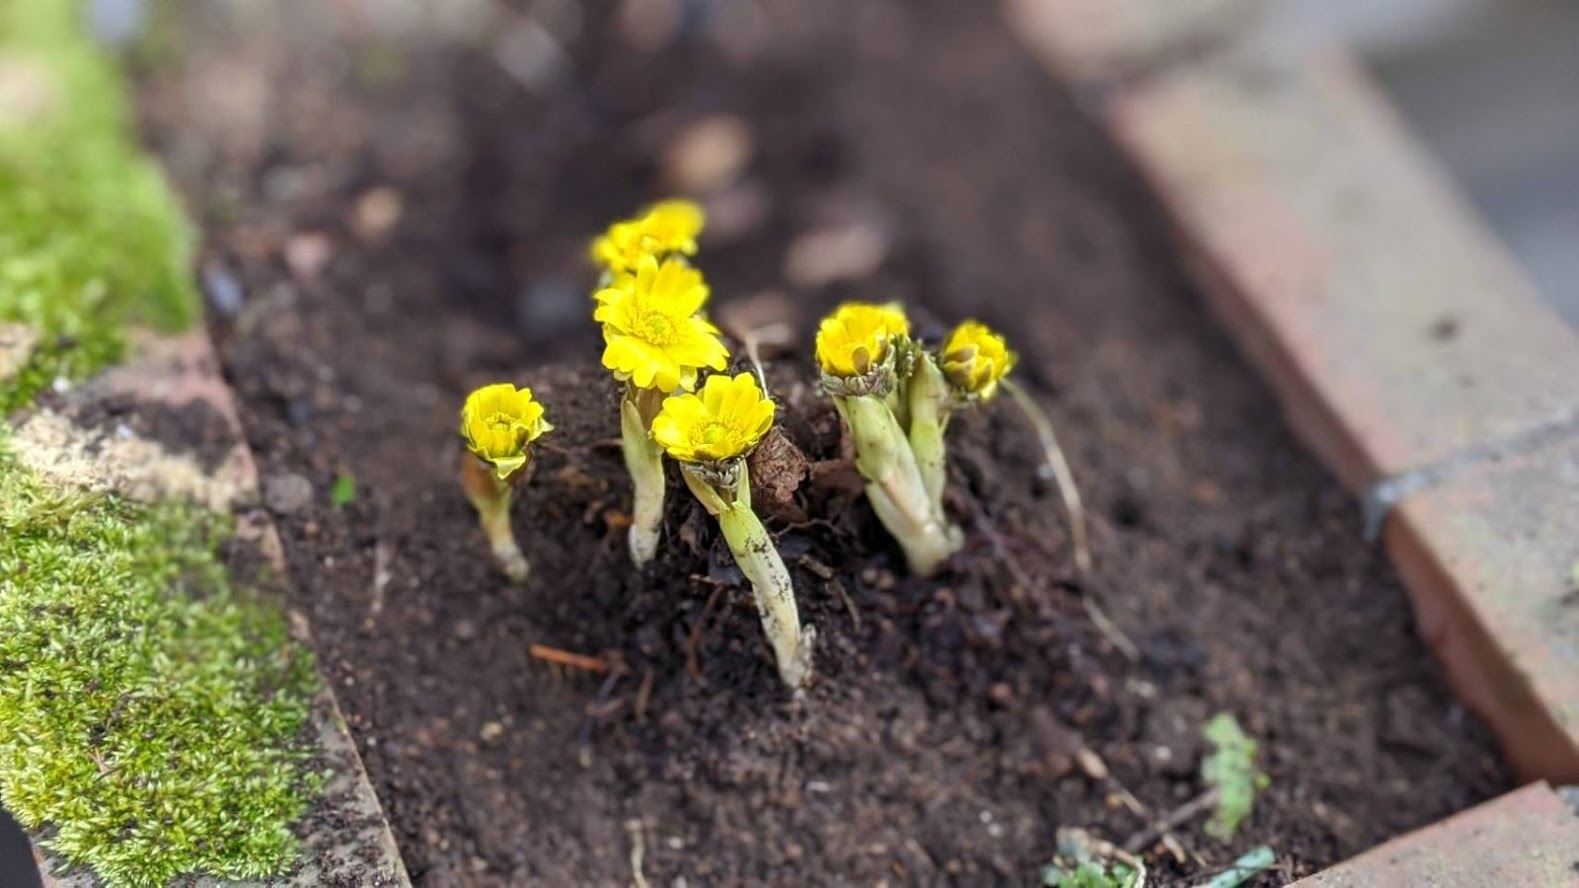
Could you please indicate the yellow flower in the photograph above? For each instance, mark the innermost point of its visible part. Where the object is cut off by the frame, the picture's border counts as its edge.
(663, 229)
(859, 336)
(651, 333)
(974, 359)
(728, 419)
(498, 422)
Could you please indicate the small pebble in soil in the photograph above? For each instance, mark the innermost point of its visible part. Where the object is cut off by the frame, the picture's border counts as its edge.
(826, 255)
(223, 290)
(287, 493)
(117, 22)
(736, 212)
(547, 308)
(528, 52)
(708, 155)
(377, 212)
(1172, 742)
(1091, 765)
(649, 25)
(770, 317)
(306, 254)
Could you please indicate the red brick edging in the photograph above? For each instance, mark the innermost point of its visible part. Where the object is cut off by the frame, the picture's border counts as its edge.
(1504, 842)
(1407, 348)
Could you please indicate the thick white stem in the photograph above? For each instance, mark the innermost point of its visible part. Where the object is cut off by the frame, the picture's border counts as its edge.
(644, 461)
(760, 561)
(770, 581)
(895, 486)
(928, 422)
(493, 512)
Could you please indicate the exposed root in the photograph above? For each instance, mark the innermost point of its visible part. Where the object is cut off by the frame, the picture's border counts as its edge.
(1109, 629)
(1172, 821)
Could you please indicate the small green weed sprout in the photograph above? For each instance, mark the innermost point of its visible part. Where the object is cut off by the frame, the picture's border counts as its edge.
(1086, 862)
(343, 492)
(1231, 770)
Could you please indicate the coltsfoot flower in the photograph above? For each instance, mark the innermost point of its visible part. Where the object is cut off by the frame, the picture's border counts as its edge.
(728, 419)
(975, 359)
(667, 228)
(498, 422)
(860, 337)
(710, 434)
(652, 333)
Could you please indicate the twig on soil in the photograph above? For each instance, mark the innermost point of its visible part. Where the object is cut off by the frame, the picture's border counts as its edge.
(1114, 635)
(638, 851)
(1022, 579)
(644, 694)
(693, 665)
(596, 711)
(1175, 819)
(1107, 627)
(566, 658)
(844, 596)
(381, 577)
(1096, 769)
(1061, 472)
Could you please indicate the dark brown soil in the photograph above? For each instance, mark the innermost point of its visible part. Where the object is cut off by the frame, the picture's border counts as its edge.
(937, 743)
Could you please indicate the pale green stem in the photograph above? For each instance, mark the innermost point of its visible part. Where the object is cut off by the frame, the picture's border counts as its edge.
(760, 561)
(894, 485)
(644, 461)
(929, 394)
(493, 512)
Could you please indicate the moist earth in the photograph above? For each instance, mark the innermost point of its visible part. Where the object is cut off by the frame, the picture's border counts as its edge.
(404, 214)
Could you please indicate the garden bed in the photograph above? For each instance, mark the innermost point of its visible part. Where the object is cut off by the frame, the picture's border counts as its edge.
(407, 219)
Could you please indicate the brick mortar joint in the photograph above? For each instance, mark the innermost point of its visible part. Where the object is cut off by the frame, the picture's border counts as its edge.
(1570, 794)
(1383, 495)
(1195, 48)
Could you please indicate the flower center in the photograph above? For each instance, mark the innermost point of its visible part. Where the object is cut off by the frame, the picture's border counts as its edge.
(500, 423)
(658, 329)
(714, 434)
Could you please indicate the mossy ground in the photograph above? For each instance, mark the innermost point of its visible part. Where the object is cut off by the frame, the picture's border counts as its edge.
(152, 715)
(149, 712)
(91, 238)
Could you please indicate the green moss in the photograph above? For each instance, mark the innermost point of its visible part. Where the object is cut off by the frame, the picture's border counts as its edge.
(153, 717)
(150, 713)
(91, 238)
